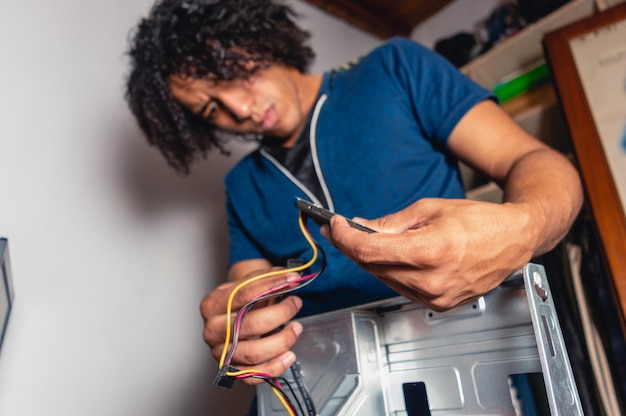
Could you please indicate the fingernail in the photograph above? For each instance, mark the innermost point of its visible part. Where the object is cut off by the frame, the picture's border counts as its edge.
(297, 302)
(289, 358)
(297, 328)
(290, 277)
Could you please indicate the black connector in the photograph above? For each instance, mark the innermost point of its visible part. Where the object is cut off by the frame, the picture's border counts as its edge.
(223, 380)
(291, 263)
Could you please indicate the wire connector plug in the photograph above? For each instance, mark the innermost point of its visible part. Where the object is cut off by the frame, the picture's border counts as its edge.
(223, 380)
(293, 263)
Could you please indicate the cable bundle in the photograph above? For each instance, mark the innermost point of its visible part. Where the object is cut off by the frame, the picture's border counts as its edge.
(228, 374)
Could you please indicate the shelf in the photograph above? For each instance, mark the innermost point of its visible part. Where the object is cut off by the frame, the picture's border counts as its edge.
(542, 95)
(537, 110)
(523, 48)
(382, 18)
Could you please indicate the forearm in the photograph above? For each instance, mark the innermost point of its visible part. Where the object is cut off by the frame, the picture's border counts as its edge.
(245, 268)
(545, 185)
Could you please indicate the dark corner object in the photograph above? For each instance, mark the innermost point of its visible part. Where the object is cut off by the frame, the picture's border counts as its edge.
(6, 295)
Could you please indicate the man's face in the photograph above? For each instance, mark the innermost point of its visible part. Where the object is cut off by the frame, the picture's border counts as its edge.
(270, 102)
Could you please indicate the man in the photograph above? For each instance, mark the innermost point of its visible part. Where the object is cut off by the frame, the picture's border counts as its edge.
(378, 139)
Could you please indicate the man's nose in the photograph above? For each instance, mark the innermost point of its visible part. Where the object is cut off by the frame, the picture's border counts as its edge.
(239, 105)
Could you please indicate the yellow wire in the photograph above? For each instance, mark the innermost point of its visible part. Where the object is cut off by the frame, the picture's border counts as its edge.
(309, 239)
(243, 372)
(274, 389)
(283, 401)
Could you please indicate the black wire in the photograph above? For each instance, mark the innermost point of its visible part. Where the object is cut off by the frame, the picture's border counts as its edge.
(304, 392)
(293, 393)
(272, 382)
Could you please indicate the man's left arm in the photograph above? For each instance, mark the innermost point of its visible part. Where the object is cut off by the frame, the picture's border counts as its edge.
(444, 252)
(534, 177)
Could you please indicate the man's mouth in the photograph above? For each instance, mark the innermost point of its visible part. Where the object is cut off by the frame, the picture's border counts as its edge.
(269, 119)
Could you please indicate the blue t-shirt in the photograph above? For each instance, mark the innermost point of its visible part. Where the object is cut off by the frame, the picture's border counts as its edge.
(378, 139)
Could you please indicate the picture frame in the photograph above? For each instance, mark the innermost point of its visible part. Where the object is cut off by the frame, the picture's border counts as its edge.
(591, 91)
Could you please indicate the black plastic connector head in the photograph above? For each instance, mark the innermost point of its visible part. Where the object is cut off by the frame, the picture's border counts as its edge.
(223, 380)
(291, 263)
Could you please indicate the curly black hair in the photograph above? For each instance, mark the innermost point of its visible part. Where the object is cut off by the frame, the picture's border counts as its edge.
(212, 39)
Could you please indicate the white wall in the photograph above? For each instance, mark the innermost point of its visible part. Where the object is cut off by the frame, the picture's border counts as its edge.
(111, 251)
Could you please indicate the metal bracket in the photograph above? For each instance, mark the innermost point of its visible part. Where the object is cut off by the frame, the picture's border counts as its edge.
(557, 373)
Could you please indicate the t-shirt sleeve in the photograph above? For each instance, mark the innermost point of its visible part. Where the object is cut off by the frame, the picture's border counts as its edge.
(439, 93)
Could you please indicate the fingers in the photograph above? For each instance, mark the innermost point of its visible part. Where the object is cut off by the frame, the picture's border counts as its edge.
(269, 355)
(414, 247)
(216, 301)
(414, 216)
(274, 367)
(261, 353)
(255, 323)
(252, 348)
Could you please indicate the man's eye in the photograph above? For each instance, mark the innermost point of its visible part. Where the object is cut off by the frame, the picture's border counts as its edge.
(210, 110)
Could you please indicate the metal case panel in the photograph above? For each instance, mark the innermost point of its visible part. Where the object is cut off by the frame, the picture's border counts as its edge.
(356, 361)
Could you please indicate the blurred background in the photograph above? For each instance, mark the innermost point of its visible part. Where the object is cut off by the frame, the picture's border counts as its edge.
(111, 251)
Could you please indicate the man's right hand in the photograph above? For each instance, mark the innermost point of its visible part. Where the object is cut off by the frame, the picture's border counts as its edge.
(255, 349)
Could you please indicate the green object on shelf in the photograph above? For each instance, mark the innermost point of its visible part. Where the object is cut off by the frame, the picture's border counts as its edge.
(522, 83)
